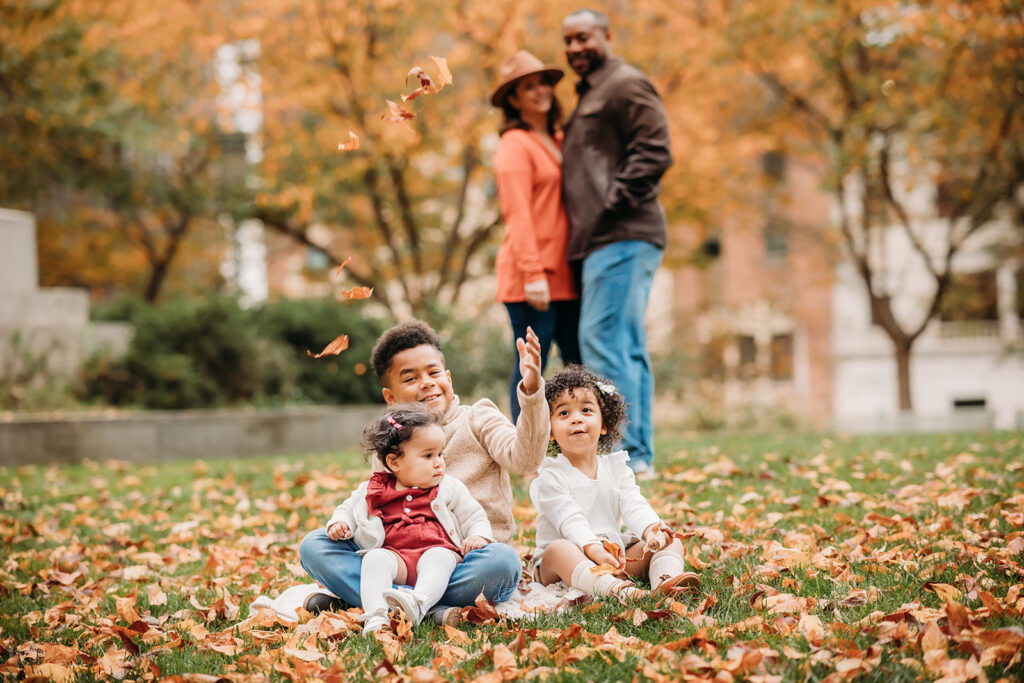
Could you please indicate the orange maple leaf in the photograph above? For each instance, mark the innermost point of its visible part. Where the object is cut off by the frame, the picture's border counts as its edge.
(339, 344)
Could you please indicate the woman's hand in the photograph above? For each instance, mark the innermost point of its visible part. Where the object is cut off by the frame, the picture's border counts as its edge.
(537, 294)
(473, 543)
(339, 531)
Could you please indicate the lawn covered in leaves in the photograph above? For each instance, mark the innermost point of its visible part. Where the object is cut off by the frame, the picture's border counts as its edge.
(879, 558)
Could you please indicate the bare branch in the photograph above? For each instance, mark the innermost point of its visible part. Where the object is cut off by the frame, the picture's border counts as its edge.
(797, 101)
(396, 170)
(468, 163)
(884, 161)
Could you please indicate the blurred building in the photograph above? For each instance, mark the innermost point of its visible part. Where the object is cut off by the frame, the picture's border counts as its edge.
(777, 319)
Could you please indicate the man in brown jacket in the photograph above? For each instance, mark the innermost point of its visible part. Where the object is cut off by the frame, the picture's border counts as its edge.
(615, 151)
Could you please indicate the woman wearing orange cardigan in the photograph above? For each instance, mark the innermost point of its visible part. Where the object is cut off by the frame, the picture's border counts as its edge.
(534, 279)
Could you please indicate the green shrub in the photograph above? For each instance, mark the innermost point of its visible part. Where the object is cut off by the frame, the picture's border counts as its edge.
(310, 324)
(213, 352)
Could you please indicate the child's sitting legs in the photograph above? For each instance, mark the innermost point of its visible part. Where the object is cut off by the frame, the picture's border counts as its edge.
(564, 560)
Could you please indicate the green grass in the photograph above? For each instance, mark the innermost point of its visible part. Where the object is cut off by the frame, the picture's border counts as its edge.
(817, 518)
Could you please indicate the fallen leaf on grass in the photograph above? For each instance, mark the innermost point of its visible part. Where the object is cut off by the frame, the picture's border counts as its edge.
(339, 344)
(943, 590)
(482, 612)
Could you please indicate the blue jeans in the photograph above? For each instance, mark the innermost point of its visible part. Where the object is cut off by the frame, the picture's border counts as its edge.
(494, 569)
(617, 280)
(560, 323)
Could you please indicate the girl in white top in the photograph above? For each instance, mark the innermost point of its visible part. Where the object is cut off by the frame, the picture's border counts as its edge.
(583, 499)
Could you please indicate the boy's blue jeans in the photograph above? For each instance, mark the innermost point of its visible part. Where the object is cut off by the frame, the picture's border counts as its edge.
(494, 569)
(617, 281)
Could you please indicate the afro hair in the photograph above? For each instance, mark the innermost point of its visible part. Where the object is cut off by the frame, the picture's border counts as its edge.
(401, 337)
(613, 406)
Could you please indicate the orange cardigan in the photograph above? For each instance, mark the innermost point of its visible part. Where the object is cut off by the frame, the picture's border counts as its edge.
(536, 229)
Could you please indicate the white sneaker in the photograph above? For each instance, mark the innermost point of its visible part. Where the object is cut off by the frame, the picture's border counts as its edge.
(374, 622)
(403, 600)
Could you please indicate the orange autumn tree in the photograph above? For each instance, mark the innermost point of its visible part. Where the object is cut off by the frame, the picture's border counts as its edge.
(894, 96)
(114, 142)
(411, 201)
(416, 200)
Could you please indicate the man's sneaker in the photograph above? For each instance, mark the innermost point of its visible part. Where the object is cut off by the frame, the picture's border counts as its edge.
(643, 471)
(403, 600)
(322, 602)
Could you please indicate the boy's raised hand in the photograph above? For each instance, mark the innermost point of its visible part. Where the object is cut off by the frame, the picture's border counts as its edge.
(529, 360)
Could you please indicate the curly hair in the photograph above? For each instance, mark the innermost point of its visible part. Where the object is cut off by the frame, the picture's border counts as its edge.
(609, 400)
(395, 426)
(407, 335)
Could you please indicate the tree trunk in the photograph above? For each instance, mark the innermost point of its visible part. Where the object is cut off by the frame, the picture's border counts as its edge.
(903, 373)
(157, 275)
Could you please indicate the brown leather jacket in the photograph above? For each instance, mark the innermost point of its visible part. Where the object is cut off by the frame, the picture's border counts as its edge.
(615, 151)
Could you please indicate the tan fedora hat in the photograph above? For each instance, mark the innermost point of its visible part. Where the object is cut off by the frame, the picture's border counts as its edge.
(515, 67)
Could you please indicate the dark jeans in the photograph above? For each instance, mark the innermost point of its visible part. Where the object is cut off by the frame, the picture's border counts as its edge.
(560, 323)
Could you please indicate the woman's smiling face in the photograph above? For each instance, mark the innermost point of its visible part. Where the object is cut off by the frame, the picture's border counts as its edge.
(532, 95)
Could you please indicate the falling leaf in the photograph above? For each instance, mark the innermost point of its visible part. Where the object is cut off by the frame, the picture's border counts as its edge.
(337, 271)
(339, 344)
(357, 293)
(397, 114)
(351, 145)
(445, 76)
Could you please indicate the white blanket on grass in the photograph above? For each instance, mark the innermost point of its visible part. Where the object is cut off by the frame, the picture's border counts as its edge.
(537, 599)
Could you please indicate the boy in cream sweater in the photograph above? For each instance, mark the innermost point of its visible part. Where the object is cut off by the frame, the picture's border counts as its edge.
(482, 448)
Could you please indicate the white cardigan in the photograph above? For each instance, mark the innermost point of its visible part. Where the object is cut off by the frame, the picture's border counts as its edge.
(456, 509)
(572, 505)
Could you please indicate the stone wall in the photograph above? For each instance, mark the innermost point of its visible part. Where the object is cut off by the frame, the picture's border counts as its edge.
(155, 436)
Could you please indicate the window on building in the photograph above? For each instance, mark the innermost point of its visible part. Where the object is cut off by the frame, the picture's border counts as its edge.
(968, 403)
(776, 243)
(1020, 293)
(773, 164)
(316, 259)
(747, 347)
(970, 297)
(781, 367)
(712, 359)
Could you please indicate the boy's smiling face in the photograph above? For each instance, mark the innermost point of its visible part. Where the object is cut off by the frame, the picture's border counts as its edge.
(419, 374)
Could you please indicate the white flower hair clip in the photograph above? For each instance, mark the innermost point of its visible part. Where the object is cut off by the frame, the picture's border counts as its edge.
(608, 389)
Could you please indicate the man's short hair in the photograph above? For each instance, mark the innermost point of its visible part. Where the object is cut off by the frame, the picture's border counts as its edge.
(600, 18)
(407, 335)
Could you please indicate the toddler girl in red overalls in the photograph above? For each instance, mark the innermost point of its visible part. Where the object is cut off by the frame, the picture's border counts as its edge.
(412, 522)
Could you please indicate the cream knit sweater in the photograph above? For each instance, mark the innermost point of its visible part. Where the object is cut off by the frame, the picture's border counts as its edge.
(484, 446)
